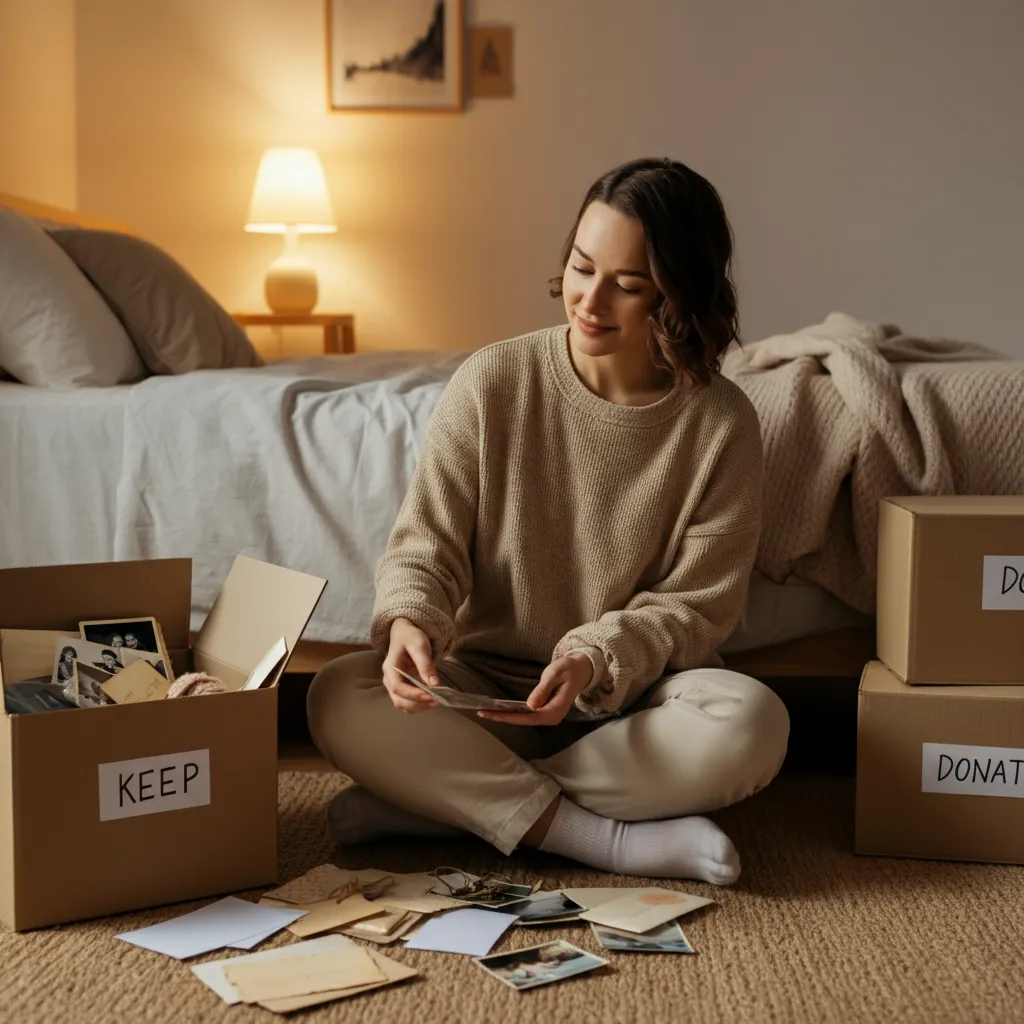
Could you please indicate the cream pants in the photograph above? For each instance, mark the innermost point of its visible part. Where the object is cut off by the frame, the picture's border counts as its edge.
(694, 742)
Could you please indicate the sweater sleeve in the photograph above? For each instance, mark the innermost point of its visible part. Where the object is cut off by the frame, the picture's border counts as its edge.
(679, 622)
(426, 571)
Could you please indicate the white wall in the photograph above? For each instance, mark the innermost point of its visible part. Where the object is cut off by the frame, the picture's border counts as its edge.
(869, 153)
(37, 100)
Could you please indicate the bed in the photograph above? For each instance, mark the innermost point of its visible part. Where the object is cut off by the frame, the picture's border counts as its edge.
(305, 463)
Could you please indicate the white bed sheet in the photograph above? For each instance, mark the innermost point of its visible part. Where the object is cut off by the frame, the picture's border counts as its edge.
(303, 463)
(60, 460)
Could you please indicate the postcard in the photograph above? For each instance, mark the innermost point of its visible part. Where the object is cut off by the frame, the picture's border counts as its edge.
(540, 965)
(644, 909)
(135, 683)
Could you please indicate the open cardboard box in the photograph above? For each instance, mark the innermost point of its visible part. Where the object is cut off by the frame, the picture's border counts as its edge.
(116, 808)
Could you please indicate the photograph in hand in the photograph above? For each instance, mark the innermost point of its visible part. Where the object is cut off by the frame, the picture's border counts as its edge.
(451, 698)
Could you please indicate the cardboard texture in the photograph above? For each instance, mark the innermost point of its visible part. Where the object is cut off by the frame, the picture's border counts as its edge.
(27, 653)
(258, 604)
(193, 782)
(940, 770)
(951, 589)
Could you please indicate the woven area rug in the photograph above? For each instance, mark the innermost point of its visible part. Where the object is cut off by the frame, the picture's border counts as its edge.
(811, 933)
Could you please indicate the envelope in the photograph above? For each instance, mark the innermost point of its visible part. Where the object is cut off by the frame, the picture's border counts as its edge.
(138, 682)
(328, 914)
(393, 972)
(304, 975)
(644, 909)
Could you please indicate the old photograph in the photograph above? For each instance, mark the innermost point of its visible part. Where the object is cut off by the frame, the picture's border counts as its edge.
(540, 965)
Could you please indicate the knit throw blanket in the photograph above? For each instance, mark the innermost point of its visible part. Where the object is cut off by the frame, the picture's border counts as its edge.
(852, 412)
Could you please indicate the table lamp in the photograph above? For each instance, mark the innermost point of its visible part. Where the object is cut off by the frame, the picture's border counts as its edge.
(290, 198)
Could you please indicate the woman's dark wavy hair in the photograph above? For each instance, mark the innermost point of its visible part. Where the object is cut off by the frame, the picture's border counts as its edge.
(689, 247)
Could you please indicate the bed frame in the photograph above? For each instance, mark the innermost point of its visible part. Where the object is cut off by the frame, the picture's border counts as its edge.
(840, 654)
(60, 215)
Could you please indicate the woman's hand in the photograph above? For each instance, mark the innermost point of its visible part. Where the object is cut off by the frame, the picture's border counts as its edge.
(560, 684)
(410, 650)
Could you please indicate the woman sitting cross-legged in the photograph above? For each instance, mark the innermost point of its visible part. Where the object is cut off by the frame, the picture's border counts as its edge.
(579, 532)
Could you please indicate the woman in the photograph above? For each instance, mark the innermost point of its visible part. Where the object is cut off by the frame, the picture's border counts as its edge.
(579, 532)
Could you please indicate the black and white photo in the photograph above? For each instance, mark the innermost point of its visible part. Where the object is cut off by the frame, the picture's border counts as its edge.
(136, 634)
(70, 649)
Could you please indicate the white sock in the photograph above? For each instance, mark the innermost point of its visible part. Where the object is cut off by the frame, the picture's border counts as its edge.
(674, 848)
(356, 815)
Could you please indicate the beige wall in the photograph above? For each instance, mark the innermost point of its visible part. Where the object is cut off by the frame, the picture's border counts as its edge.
(37, 100)
(869, 153)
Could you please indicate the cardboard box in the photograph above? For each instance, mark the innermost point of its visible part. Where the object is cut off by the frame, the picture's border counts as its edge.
(109, 809)
(940, 770)
(951, 589)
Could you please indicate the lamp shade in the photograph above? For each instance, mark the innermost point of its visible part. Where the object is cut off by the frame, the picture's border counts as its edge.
(290, 191)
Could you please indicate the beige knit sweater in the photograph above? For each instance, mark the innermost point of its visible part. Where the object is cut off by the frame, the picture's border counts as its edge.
(543, 518)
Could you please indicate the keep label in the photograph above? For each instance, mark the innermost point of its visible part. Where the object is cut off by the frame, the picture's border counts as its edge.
(151, 785)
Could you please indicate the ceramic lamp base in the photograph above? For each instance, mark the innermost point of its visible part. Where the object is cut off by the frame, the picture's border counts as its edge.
(290, 286)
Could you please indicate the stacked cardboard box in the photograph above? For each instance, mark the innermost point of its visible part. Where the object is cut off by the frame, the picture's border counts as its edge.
(940, 731)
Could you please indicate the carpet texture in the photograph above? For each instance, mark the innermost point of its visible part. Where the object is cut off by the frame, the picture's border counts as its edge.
(810, 933)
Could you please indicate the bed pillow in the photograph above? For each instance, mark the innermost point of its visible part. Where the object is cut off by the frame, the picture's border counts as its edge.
(55, 328)
(176, 325)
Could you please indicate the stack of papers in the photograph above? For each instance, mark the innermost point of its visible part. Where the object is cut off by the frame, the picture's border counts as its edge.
(304, 974)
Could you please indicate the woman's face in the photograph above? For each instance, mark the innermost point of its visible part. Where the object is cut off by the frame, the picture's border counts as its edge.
(606, 285)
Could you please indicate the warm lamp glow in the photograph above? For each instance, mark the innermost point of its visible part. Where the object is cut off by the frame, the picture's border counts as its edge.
(290, 198)
(290, 191)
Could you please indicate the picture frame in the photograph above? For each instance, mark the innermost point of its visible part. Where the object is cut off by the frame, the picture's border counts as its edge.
(394, 55)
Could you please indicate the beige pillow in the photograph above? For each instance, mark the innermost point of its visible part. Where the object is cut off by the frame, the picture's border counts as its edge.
(55, 329)
(176, 325)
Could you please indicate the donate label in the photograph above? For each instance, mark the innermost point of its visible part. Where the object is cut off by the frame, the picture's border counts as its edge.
(1002, 587)
(978, 771)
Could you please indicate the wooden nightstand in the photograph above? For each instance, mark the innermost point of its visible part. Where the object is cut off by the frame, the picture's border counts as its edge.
(339, 328)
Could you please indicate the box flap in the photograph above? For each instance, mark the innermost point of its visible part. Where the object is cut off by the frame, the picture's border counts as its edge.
(879, 678)
(961, 504)
(61, 596)
(258, 604)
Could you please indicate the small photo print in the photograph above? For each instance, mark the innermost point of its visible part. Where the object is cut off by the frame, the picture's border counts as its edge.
(667, 938)
(86, 687)
(136, 634)
(70, 649)
(540, 965)
(545, 908)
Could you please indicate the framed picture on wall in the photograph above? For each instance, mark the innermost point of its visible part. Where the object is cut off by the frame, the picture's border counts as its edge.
(394, 55)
